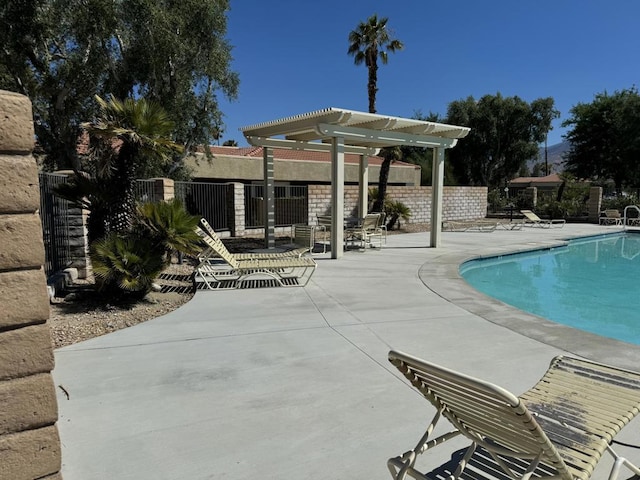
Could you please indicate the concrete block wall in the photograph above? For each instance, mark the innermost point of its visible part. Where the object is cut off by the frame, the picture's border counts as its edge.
(459, 203)
(29, 442)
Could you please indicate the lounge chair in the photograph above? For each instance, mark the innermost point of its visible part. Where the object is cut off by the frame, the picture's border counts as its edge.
(611, 217)
(533, 220)
(296, 252)
(480, 225)
(220, 269)
(558, 429)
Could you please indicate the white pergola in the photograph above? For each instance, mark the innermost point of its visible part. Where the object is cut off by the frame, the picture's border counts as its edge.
(340, 131)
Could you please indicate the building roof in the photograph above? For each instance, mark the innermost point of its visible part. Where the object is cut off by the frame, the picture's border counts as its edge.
(552, 180)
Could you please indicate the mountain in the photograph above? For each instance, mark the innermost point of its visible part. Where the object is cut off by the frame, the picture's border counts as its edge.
(554, 157)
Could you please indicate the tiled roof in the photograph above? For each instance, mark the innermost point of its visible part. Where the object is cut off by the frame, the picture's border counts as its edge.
(293, 155)
(553, 178)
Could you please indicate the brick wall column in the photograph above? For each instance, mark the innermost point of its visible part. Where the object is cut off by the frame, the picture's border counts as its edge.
(163, 189)
(29, 442)
(237, 210)
(594, 204)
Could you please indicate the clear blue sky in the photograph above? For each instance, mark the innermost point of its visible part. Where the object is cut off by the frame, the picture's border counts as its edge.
(291, 55)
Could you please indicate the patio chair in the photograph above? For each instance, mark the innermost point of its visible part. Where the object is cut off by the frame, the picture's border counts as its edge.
(304, 237)
(610, 217)
(367, 233)
(226, 270)
(560, 428)
(533, 220)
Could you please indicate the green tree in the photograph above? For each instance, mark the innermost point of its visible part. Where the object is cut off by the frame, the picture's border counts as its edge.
(505, 133)
(370, 40)
(126, 138)
(60, 53)
(604, 138)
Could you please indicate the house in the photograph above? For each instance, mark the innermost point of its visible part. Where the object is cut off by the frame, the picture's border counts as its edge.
(545, 186)
(292, 167)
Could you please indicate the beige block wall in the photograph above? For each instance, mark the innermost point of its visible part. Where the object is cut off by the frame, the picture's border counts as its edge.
(458, 203)
(29, 442)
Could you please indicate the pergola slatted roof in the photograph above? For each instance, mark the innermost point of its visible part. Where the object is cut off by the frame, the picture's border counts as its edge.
(342, 131)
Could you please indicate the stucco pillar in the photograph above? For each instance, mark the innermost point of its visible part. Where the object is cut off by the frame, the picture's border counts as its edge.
(337, 197)
(363, 192)
(437, 186)
(29, 442)
(269, 203)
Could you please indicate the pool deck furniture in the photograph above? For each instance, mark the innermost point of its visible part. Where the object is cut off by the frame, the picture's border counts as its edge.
(219, 269)
(366, 233)
(558, 429)
(294, 252)
(533, 220)
(610, 217)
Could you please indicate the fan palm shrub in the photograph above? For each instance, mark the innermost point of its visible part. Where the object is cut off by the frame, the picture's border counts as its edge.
(126, 265)
(168, 226)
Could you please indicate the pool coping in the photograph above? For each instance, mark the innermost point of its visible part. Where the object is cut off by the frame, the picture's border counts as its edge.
(444, 279)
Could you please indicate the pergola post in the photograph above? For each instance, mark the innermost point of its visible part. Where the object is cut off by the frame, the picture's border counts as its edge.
(268, 202)
(437, 185)
(363, 190)
(337, 197)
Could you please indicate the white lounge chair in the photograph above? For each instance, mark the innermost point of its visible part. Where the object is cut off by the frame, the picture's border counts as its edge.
(220, 269)
(558, 429)
(533, 220)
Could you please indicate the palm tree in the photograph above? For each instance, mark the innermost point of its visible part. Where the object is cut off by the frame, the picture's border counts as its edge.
(133, 135)
(367, 42)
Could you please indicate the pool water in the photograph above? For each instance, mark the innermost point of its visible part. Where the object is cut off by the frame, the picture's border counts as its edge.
(592, 284)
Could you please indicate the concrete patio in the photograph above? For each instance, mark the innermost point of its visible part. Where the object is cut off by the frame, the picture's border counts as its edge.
(294, 383)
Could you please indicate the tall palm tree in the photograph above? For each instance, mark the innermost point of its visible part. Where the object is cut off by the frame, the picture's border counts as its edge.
(134, 134)
(370, 40)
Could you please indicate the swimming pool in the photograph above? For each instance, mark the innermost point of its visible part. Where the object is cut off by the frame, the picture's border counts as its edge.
(592, 284)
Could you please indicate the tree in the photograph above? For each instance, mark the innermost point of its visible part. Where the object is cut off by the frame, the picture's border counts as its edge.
(60, 53)
(370, 40)
(505, 133)
(605, 138)
(126, 138)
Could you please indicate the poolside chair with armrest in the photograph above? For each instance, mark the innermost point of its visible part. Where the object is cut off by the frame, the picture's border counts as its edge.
(533, 220)
(558, 429)
(220, 269)
(367, 233)
(610, 217)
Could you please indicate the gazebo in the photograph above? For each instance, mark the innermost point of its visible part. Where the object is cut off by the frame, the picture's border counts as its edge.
(341, 131)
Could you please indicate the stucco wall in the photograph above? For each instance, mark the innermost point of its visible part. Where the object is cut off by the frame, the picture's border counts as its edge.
(458, 203)
(29, 442)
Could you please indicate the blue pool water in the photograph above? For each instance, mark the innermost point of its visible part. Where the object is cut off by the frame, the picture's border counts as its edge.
(592, 284)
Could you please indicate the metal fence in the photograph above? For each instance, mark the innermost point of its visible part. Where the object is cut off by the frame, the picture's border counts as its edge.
(291, 205)
(145, 190)
(54, 215)
(213, 201)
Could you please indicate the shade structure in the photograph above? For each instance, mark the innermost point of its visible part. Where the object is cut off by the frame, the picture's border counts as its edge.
(341, 131)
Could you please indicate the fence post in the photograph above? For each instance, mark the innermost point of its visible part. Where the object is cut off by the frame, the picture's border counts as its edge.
(163, 189)
(236, 207)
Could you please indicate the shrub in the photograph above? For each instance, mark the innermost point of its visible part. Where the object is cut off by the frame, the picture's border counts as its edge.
(169, 227)
(126, 265)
